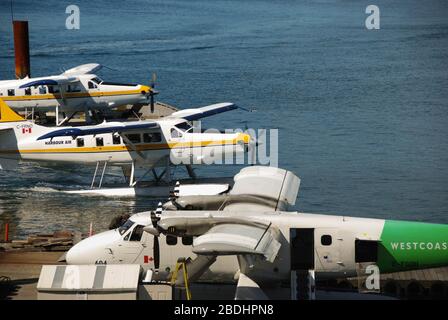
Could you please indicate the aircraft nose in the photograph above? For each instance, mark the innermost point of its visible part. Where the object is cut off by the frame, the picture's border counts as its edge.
(245, 139)
(75, 256)
(92, 249)
(146, 89)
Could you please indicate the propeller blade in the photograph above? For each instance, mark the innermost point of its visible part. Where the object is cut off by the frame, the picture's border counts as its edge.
(152, 102)
(154, 219)
(156, 253)
(153, 85)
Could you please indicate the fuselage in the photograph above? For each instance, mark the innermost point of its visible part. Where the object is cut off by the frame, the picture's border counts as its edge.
(173, 139)
(89, 91)
(336, 245)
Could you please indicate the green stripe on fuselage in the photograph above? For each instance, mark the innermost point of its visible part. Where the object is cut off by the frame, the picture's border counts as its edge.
(412, 245)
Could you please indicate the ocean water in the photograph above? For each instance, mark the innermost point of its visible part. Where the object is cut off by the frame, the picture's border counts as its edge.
(362, 114)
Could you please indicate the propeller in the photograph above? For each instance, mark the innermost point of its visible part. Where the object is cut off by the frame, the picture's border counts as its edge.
(155, 217)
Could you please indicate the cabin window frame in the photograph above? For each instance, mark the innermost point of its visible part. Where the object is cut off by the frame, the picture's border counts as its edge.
(80, 142)
(99, 141)
(11, 92)
(187, 240)
(116, 139)
(326, 240)
(171, 240)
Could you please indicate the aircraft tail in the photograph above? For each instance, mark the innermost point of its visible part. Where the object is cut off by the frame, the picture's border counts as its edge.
(8, 140)
(7, 114)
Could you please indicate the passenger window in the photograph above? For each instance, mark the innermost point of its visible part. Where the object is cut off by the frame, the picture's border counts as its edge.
(187, 241)
(134, 138)
(53, 89)
(137, 233)
(171, 240)
(92, 85)
(80, 142)
(147, 137)
(27, 91)
(11, 92)
(99, 142)
(151, 137)
(326, 240)
(116, 139)
(42, 90)
(156, 137)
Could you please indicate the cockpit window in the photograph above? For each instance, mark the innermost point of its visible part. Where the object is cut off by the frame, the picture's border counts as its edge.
(137, 233)
(125, 227)
(97, 80)
(184, 126)
(175, 133)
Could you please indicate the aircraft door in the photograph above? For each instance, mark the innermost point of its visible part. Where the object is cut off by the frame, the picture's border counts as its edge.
(302, 248)
(328, 244)
(179, 150)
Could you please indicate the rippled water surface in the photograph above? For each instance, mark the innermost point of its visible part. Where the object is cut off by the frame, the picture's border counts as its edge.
(362, 115)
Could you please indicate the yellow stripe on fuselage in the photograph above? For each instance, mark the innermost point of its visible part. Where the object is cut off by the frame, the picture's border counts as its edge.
(139, 147)
(72, 95)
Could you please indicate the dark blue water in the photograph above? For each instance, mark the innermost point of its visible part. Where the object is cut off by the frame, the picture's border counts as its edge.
(362, 115)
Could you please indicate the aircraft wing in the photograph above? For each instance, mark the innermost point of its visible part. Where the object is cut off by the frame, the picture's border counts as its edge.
(110, 127)
(88, 68)
(198, 113)
(275, 188)
(69, 76)
(236, 239)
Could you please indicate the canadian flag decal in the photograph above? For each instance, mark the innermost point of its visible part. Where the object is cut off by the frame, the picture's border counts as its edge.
(147, 259)
(26, 130)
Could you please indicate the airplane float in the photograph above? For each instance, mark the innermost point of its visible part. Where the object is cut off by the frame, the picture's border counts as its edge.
(147, 144)
(247, 235)
(77, 89)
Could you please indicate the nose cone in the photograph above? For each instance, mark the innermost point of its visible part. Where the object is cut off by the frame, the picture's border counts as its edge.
(94, 248)
(146, 89)
(244, 137)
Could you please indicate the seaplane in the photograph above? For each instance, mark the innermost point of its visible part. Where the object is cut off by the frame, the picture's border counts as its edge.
(132, 145)
(249, 235)
(75, 90)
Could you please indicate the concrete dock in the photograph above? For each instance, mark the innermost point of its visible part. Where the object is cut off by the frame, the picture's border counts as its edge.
(19, 273)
